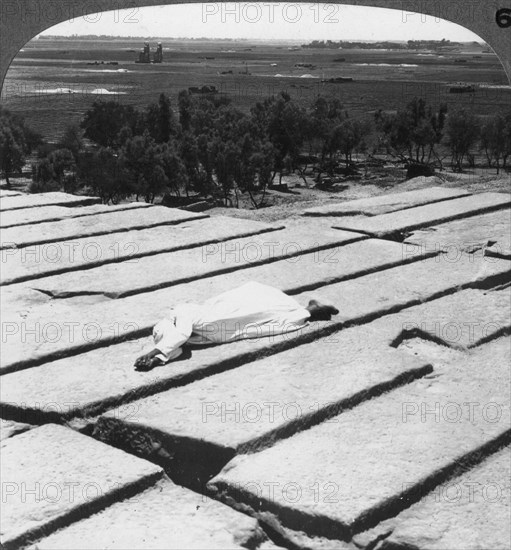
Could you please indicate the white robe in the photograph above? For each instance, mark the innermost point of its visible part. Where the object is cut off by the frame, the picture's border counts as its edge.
(252, 310)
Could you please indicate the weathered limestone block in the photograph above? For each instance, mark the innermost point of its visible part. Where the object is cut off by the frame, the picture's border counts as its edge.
(163, 270)
(389, 202)
(36, 261)
(45, 199)
(39, 333)
(466, 513)
(104, 377)
(462, 320)
(370, 462)
(164, 517)
(467, 236)
(52, 213)
(388, 291)
(50, 232)
(395, 224)
(53, 475)
(260, 402)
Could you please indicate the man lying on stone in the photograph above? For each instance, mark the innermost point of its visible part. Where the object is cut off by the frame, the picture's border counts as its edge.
(252, 310)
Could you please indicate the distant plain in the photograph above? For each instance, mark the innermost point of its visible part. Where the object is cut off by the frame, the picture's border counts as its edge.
(52, 82)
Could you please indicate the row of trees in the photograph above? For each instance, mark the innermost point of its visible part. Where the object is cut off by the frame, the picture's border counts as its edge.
(16, 142)
(206, 146)
(410, 45)
(415, 133)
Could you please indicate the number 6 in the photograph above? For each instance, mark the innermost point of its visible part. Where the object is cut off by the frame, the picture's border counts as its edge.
(503, 18)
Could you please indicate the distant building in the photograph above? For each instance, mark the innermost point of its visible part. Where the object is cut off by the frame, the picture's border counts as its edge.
(145, 54)
(158, 55)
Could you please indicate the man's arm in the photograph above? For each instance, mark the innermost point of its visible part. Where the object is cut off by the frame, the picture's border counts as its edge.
(169, 335)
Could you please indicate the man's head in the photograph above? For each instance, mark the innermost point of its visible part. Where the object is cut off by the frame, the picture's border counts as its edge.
(321, 312)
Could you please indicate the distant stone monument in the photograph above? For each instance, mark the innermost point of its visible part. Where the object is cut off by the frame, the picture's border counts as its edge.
(145, 54)
(158, 55)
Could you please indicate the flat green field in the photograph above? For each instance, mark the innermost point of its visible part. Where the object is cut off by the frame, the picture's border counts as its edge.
(52, 82)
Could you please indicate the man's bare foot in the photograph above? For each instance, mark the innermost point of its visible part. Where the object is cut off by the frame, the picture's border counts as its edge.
(321, 312)
(148, 361)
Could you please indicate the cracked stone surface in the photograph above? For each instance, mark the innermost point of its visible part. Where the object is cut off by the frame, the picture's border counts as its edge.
(105, 376)
(247, 407)
(45, 199)
(466, 513)
(163, 517)
(52, 213)
(499, 250)
(429, 337)
(51, 474)
(462, 320)
(98, 224)
(424, 216)
(83, 253)
(467, 235)
(391, 202)
(42, 332)
(387, 291)
(183, 266)
(410, 437)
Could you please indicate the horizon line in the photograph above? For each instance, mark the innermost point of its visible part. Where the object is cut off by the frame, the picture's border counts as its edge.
(231, 39)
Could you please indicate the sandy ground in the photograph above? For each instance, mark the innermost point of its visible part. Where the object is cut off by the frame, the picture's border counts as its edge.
(300, 197)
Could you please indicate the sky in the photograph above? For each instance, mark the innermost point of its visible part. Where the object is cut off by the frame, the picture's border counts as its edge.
(266, 20)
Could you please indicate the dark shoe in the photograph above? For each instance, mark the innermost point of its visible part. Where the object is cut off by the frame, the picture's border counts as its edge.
(321, 312)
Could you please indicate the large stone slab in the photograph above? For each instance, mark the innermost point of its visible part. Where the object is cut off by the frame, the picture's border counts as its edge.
(468, 235)
(45, 199)
(370, 462)
(409, 285)
(396, 224)
(164, 517)
(263, 401)
(36, 334)
(53, 475)
(466, 513)
(334, 259)
(389, 202)
(7, 193)
(93, 381)
(50, 232)
(54, 213)
(463, 320)
(21, 264)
